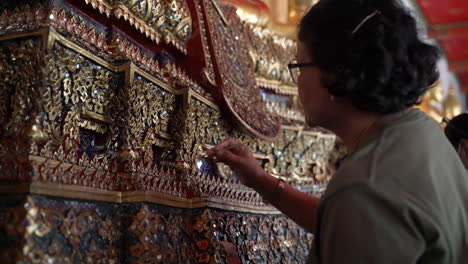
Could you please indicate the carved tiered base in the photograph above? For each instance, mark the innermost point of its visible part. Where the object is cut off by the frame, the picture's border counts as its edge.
(39, 229)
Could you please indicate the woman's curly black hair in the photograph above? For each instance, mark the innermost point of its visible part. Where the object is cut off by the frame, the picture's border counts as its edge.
(383, 67)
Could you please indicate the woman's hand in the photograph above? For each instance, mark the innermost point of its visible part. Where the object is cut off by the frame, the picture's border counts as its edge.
(240, 159)
(290, 201)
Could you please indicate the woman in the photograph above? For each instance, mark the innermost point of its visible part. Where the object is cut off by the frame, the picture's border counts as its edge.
(401, 196)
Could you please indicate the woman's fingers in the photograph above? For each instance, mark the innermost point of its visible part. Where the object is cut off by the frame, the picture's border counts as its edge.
(226, 143)
(231, 144)
(226, 157)
(239, 158)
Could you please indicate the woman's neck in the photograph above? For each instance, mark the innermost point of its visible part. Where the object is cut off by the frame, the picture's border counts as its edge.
(354, 128)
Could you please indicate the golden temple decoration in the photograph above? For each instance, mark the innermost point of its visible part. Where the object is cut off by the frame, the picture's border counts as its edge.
(67, 69)
(79, 30)
(135, 54)
(438, 106)
(16, 105)
(179, 22)
(431, 101)
(111, 121)
(157, 19)
(104, 6)
(287, 113)
(150, 113)
(435, 93)
(235, 72)
(452, 106)
(209, 73)
(271, 54)
(254, 12)
(23, 19)
(279, 158)
(297, 9)
(117, 126)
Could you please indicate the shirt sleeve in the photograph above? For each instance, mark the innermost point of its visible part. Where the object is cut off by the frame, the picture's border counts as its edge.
(360, 225)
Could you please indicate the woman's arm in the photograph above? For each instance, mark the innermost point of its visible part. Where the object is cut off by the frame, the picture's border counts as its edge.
(299, 206)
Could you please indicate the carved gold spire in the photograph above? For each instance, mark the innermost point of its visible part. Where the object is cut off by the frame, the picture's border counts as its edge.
(432, 100)
(255, 12)
(435, 94)
(451, 104)
(297, 9)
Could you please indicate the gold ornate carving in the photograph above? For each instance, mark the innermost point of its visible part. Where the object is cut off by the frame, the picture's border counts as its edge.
(209, 71)
(90, 114)
(432, 101)
(452, 106)
(271, 54)
(149, 113)
(287, 113)
(157, 19)
(297, 9)
(119, 126)
(235, 70)
(84, 51)
(136, 55)
(147, 16)
(79, 94)
(254, 12)
(23, 19)
(20, 87)
(297, 155)
(104, 6)
(80, 31)
(179, 20)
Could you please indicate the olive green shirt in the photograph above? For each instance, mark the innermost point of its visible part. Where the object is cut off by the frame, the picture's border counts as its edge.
(402, 198)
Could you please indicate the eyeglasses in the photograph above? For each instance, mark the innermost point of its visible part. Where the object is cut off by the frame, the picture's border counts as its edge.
(295, 69)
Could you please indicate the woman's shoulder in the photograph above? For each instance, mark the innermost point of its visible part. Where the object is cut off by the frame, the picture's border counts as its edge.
(411, 152)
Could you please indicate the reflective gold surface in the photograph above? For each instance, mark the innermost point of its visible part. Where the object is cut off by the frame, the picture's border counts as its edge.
(452, 106)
